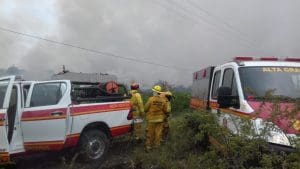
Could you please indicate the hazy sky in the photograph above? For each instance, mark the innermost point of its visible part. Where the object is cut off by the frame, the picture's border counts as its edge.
(184, 34)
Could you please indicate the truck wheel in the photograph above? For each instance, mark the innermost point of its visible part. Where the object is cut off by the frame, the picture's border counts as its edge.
(93, 146)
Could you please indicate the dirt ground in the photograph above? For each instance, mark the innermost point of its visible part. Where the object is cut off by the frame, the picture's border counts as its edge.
(117, 158)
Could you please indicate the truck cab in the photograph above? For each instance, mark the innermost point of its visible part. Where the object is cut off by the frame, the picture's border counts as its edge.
(40, 116)
(253, 89)
(32, 112)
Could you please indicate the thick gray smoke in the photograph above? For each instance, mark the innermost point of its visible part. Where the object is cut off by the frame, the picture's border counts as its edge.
(187, 34)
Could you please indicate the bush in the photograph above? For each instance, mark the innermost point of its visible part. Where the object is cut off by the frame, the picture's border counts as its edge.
(180, 102)
(189, 147)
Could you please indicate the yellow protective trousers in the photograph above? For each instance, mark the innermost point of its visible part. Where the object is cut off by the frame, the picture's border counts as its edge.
(154, 135)
(137, 130)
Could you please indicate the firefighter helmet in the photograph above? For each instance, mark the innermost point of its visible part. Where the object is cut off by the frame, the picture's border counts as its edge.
(156, 89)
(134, 86)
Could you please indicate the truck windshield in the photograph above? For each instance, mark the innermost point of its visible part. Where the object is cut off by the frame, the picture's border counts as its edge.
(263, 82)
(3, 89)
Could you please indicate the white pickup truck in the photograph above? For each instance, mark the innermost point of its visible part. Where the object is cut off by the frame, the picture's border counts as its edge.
(40, 116)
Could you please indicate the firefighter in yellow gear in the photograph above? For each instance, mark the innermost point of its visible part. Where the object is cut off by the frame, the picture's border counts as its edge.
(155, 108)
(166, 128)
(138, 111)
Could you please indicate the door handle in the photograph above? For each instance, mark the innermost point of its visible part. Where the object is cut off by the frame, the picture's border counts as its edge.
(57, 113)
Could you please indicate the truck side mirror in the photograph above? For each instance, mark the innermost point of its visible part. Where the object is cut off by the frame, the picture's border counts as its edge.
(225, 98)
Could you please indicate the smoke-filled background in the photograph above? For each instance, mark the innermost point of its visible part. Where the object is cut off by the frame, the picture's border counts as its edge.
(182, 35)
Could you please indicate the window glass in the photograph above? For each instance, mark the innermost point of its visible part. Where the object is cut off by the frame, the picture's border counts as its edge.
(228, 77)
(46, 94)
(216, 82)
(25, 92)
(279, 82)
(3, 90)
(11, 112)
(229, 81)
(234, 87)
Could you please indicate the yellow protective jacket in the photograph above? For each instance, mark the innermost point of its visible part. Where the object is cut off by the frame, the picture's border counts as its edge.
(156, 109)
(168, 105)
(168, 108)
(137, 104)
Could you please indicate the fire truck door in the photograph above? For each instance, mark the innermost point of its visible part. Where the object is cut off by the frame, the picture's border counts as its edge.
(44, 119)
(6, 85)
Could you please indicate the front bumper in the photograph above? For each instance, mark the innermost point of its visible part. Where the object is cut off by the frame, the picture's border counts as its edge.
(281, 148)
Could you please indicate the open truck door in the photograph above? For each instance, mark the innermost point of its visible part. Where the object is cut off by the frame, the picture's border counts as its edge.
(6, 85)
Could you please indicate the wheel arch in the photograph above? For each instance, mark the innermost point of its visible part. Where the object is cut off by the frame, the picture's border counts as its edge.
(98, 126)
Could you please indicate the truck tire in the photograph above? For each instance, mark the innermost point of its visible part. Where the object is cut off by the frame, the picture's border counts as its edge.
(93, 146)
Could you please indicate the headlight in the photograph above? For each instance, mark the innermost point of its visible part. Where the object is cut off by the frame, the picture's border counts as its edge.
(279, 138)
(296, 125)
(273, 135)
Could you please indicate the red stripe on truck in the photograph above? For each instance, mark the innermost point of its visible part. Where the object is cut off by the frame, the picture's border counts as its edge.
(44, 146)
(83, 110)
(72, 140)
(43, 114)
(75, 111)
(201, 104)
(120, 130)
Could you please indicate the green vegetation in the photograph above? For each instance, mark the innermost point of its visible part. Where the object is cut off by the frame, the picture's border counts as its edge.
(188, 147)
(180, 102)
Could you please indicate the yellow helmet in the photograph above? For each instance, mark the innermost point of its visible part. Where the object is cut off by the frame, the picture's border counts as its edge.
(156, 89)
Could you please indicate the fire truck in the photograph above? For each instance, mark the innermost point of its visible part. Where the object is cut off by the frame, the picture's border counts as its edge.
(56, 115)
(264, 90)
